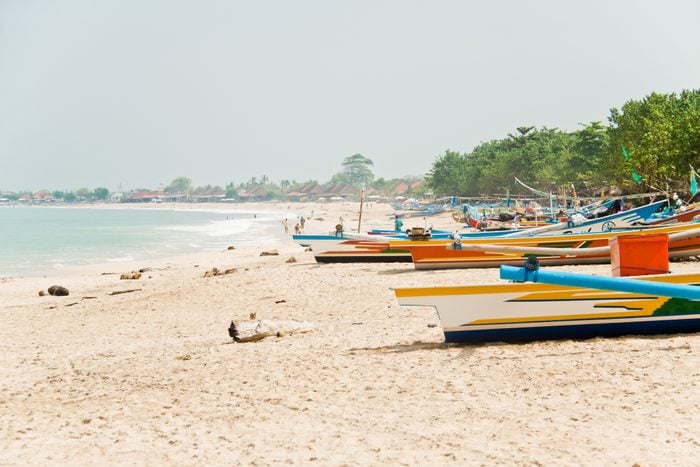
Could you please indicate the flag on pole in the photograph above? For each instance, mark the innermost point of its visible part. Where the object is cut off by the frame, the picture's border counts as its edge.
(635, 176)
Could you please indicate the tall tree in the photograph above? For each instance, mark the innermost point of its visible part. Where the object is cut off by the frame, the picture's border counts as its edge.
(100, 193)
(661, 134)
(357, 169)
(180, 184)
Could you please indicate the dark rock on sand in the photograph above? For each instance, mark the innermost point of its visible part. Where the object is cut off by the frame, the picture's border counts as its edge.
(58, 290)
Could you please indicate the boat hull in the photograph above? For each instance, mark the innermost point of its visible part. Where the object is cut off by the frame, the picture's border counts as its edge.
(440, 254)
(526, 312)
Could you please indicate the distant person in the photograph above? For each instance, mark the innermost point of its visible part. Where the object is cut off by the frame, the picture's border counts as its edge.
(302, 221)
(286, 225)
(297, 229)
(398, 224)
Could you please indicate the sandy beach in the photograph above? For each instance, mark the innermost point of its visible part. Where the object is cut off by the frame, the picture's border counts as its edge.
(152, 377)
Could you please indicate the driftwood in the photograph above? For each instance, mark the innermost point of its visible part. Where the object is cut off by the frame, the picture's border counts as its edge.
(130, 275)
(218, 272)
(254, 330)
(117, 292)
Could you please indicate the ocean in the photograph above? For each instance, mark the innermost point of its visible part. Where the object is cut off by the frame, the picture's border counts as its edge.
(35, 240)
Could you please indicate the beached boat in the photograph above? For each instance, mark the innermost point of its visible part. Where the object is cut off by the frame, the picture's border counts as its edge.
(689, 214)
(346, 247)
(352, 248)
(684, 241)
(569, 306)
(580, 224)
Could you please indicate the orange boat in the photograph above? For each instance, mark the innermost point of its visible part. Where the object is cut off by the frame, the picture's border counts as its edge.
(684, 241)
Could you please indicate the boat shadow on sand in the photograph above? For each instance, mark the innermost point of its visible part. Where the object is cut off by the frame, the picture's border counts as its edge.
(415, 346)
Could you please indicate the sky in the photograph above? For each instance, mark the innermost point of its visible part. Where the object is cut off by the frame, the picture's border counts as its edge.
(130, 94)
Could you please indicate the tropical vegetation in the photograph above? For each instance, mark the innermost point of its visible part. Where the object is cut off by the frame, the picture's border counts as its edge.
(647, 145)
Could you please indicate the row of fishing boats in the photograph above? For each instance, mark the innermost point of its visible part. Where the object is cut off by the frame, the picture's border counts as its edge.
(556, 304)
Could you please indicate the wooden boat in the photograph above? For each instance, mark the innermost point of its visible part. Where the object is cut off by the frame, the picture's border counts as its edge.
(568, 306)
(352, 248)
(684, 241)
(580, 224)
(687, 215)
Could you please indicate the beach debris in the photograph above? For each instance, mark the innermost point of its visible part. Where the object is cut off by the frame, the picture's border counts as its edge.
(218, 272)
(291, 259)
(71, 304)
(183, 357)
(270, 253)
(253, 315)
(58, 290)
(142, 270)
(130, 275)
(119, 292)
(280, 301)
(231, 247)
(308, 249)
(255, 330)
(42, 293)
(88, 298)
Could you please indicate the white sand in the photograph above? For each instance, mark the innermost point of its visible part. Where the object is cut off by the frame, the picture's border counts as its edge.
(104, 381)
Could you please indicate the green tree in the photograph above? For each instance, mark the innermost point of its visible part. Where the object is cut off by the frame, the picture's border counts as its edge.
(83, 193)
(231, 191)
(100, 193)
(661, 134)
(356, 169)
(181, 185)
(589, 161)
(447, 176)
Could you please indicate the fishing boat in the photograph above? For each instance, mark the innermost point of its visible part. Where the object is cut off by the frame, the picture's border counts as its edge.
(552, 250)
(352, 248)
(579, 223)
(561, 306)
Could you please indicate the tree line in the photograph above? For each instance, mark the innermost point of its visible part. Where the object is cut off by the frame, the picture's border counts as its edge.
(646, 145)
(356, 171)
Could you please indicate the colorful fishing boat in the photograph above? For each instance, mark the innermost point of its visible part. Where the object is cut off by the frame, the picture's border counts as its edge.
(556, 250)
(578, 223)
(566, 306)
(352, 248)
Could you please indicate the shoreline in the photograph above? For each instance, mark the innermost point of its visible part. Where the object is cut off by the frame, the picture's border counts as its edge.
(152, 377)
(321, 218)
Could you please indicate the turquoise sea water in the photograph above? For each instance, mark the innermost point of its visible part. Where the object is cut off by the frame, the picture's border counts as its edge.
(40, 239)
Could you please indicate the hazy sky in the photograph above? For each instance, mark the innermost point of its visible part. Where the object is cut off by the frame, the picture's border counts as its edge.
(98, 93)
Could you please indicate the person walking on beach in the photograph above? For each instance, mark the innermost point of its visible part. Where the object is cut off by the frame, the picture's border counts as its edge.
(302, 221)
(286, 226)
(297, 229)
